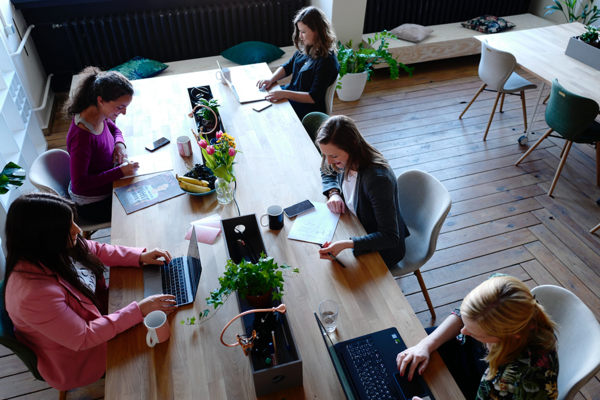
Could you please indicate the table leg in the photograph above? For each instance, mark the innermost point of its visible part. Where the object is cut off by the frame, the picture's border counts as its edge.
(537, 105)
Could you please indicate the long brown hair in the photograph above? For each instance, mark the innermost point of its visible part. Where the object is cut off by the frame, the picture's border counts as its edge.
(38, 229)
(503, 307)
(316, 21)
(110, 85)
(343, 133)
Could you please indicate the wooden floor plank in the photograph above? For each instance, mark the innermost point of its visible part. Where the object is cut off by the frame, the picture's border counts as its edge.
(497, 186)
(20, 384)
(496, 199)
(11, 365)
(4, 351)
(591, 391)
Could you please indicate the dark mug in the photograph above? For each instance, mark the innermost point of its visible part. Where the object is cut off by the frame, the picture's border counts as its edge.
(275, 214)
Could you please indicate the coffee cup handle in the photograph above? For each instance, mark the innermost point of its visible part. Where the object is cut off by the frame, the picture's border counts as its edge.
(261, 219)
(219, 75)
(151, 338)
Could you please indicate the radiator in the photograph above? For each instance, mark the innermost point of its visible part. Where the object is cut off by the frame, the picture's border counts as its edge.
(180, 34)
(388, 14)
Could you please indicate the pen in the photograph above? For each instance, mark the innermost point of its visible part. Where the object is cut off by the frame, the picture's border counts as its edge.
(332, 256)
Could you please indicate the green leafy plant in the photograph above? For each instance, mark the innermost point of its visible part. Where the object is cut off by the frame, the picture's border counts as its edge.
(588, 16)
(591, 35)
(213, 104)
(247, 279)
(362, 60)
(11, 177)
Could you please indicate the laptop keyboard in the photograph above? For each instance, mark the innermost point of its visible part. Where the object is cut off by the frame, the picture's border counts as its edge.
(174, 280)
(371, 370)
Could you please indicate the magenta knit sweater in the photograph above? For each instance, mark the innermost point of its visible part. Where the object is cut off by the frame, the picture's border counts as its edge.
(92, 171)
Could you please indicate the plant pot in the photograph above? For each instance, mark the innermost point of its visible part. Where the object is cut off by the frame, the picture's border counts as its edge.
(208, 124)
(583, 52)
(262, 301)
(353, 86)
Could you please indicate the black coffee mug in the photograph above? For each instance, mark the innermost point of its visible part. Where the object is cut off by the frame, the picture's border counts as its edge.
(275, 214)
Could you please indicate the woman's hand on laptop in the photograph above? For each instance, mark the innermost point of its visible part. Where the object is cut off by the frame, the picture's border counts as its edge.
(158, 302)
(416, 356)
(152, 257)
(266, 83)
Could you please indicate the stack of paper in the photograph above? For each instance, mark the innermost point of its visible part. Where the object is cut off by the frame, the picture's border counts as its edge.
(207, 229)
(316, 226)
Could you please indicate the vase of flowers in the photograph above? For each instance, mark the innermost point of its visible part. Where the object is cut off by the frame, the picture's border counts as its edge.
(219, 154)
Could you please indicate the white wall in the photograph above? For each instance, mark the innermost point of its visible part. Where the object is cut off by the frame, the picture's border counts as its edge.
(537, 8)
(28, 64)
(347, 17)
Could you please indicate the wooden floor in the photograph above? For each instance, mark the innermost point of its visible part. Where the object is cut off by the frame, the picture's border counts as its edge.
(501, 218)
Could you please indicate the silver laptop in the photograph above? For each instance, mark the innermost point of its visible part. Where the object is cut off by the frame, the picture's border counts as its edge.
(180, 277)
(244, 89)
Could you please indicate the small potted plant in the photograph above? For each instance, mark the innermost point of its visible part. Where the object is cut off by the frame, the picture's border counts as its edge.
(585, 48)
(356, 66)
(208, 118)
(253, 282)
(591, 36)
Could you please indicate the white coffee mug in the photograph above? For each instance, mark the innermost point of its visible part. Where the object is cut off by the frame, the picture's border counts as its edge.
(158, 328)
(219, 76)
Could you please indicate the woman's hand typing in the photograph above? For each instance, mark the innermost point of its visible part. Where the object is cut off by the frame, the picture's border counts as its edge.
(418, 358)
(266, 83)
(159, 302)
(152, 257)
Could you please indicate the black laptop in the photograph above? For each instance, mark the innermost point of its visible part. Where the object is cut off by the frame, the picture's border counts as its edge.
(180, 277)
(367, 369)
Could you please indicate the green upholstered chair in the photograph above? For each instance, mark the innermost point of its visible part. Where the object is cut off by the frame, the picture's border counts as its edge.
(312, 122)
(8, 339)
(572, 117)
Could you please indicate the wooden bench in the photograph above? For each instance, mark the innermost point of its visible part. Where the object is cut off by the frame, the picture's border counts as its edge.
(451, 40)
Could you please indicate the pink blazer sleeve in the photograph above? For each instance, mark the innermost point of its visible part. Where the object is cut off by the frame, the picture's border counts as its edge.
(113, 256)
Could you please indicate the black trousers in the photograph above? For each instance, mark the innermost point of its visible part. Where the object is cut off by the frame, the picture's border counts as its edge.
(97, 212)
(464, 363)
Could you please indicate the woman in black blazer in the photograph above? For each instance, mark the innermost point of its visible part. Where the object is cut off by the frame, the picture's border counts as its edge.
(314, 67)
(357, 178)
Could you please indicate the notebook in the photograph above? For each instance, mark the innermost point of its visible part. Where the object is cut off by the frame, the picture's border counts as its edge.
(367, 369)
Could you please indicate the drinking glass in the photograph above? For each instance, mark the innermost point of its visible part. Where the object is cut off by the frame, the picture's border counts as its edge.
(328, 310)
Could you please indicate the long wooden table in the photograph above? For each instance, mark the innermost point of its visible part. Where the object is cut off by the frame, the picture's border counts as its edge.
(278, 165)
(541, 52)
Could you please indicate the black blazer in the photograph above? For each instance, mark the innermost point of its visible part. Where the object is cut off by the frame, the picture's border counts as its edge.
(378, 210)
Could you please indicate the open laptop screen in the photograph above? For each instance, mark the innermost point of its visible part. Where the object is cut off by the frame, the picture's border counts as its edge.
(336, 361)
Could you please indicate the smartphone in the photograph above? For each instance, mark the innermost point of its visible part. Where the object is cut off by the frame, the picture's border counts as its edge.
(299, 208)
(157, 144)
(260, 108)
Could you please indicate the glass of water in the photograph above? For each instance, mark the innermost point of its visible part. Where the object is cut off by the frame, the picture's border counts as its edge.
(328, 310)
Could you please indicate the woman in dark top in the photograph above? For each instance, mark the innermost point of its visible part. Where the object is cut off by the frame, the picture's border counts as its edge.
(356, 177)
(314, 66)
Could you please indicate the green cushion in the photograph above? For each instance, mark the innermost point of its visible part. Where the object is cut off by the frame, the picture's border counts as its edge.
(140, 68)
(253, 53)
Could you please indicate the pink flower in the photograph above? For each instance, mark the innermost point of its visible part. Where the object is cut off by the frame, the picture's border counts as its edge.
(210, 150)
(231, 151)
(219, 134)
(202, 143)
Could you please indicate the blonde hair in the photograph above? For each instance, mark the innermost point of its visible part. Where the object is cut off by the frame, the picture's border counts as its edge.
(503, 307)
(316, 21)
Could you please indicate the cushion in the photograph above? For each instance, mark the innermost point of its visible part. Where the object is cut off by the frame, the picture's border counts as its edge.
(412, 32)
(253, 53)
(488, 24)
(140, 68)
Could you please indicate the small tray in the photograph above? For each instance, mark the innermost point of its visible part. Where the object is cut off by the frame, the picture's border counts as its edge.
(198, 194)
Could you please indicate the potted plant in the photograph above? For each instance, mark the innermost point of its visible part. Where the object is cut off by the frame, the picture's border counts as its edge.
(591, 36)
(586, 47)
(208, 118)
(356, 66)
(254, 282)
(589, 14)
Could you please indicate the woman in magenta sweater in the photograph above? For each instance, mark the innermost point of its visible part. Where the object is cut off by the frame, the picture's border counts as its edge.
(56, 295)
(96, 145)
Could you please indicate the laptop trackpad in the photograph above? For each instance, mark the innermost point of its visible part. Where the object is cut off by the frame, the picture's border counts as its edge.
(410, 388)
(152, 280)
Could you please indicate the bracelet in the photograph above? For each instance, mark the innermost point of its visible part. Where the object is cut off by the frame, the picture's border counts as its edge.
(332, 192)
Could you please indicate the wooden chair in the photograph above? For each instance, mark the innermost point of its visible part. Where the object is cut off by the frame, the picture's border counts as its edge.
(572, 117)
(425, 203)
(496, 70)
(8, 339)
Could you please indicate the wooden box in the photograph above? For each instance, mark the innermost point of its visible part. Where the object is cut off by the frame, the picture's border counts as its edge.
(288, 372)
(583, 52)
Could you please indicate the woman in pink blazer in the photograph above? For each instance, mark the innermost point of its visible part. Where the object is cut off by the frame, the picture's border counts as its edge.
(56, 295)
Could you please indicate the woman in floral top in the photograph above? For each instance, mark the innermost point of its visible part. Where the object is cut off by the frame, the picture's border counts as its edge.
(502, 323)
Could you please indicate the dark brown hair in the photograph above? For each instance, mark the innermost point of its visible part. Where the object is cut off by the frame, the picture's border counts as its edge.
(110, 85)
(38, 231)
(316, 21)
(343, 133)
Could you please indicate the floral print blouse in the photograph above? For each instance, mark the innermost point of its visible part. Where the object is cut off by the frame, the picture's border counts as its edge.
(532, 376)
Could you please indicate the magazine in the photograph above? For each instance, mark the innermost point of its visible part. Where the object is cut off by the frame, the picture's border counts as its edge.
(148, 192)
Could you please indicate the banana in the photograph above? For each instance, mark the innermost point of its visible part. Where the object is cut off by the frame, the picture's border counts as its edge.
(193, 188)
(193, 181)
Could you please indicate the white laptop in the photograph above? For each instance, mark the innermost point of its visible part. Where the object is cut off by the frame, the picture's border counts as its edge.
(244, 89)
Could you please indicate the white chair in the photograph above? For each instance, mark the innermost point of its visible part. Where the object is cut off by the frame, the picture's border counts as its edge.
(578, 338)
(50, 173)
(329, 97)
(496, 70)
(424, 203)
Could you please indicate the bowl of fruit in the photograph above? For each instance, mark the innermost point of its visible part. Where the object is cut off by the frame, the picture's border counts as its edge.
(198, 181)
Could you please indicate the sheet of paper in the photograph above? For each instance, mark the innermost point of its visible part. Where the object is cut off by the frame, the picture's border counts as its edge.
(204, 234)
(213, 221)
(317, 226)
(151, 163)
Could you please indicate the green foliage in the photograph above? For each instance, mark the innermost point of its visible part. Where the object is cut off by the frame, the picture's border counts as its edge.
(12, 176)
(588, 16)
(591, 35)
(249, 279)
(213, 104)
(363, 59)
